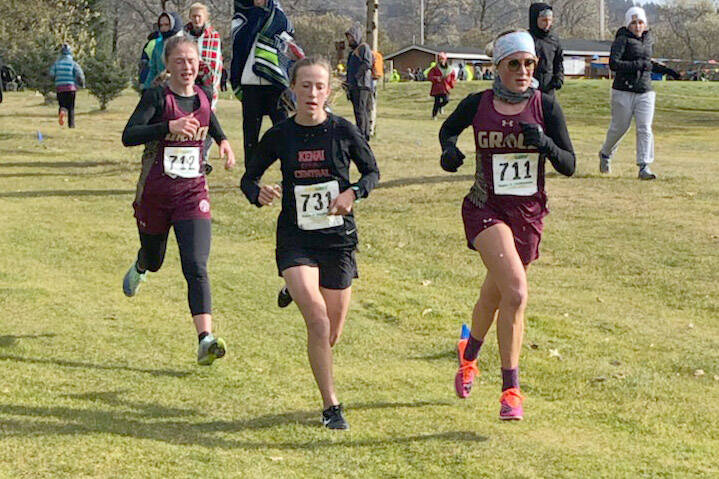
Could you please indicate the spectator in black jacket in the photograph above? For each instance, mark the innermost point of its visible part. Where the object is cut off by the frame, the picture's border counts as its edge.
(550, 70)
(632, 95)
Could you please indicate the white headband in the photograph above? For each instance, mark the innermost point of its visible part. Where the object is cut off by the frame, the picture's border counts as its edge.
(635, 13)
(512, 43)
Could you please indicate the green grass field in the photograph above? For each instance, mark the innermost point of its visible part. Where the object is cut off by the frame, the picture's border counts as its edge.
(626, 291)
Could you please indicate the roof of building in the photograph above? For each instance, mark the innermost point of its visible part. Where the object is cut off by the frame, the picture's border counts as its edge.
(571, 46)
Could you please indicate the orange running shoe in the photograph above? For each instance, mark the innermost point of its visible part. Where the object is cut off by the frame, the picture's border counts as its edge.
(511, 402)
(464, 379)
(61, 116)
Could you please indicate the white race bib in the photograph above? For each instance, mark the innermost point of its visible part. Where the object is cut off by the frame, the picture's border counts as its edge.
(182, 161)
(515, 173)
(313, 203)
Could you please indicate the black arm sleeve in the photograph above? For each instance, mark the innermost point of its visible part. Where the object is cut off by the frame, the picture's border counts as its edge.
(558, 76)
(663, 69)
(459, 120)
(216, 130)
(362, 156)
(261, 158)
(140, 128)
(560, 151)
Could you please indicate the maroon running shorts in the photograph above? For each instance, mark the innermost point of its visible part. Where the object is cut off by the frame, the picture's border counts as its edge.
(527, 235)
(157, 210)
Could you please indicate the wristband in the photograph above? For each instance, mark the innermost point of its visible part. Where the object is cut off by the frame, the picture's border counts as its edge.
(355, 188)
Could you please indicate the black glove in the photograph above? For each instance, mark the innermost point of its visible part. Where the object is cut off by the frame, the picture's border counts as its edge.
(534, 136)
(557, 84)
(451, 159)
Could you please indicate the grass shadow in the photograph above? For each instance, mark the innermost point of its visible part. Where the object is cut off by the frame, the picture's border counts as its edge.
(65, 193)
(84, 421)
(59, 164)
(10, 340)
(424, 180)
(85, 365)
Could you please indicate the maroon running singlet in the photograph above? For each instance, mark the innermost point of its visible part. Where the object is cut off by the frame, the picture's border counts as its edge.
(175, 187)
(509, 179)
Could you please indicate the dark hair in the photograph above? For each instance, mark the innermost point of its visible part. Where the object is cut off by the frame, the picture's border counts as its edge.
(174, 42)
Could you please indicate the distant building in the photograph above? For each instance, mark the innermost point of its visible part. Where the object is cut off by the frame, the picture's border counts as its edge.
(579, 54)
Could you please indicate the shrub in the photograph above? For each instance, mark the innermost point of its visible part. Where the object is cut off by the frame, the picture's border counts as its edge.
(105, 78)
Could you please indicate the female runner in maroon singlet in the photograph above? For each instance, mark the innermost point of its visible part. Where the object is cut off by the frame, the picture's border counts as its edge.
(173, 122)
(516, 128)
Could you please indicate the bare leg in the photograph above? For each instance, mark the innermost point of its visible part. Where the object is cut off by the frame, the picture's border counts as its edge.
(303, 284)
(203, 323)
(485, 310)
(338, 304)
(499, 254)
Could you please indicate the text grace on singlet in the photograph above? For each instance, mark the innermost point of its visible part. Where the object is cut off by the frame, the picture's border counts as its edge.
(497, 139)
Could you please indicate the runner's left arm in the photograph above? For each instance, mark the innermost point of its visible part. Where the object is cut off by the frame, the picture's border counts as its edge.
(559, 151)
(362, 156)
(261, 158)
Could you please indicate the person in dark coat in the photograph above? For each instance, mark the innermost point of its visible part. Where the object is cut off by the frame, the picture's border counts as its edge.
(359, 78)
(550, 70)
(632, 94)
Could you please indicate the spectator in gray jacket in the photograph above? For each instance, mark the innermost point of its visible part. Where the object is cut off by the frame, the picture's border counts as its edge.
(359, 78)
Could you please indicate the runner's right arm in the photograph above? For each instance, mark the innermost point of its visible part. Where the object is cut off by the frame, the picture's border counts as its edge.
(261, 158)
(460, 119)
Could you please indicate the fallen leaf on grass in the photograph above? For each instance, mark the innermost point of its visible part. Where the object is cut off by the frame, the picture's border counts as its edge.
(699, 373)
(615, 363)
(599, 379)
(554, 353)
(619, 375)
(426, 311)
(534, 346)
(426, 282)
(276, 458)
(599, 300)
(690, 325)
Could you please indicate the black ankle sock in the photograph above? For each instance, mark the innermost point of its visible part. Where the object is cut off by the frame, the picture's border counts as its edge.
(510, 378)
(202, 335)
(137, 268)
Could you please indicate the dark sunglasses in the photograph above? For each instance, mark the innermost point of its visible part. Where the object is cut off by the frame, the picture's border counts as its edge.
(514, 64)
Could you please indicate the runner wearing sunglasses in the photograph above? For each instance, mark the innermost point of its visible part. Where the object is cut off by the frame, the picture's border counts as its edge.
(516, 128)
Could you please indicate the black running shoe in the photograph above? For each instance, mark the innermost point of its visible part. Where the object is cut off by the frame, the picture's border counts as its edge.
(283, 297)
(332, 418)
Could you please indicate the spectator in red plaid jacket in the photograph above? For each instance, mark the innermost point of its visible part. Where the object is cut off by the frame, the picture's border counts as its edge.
(208, 42)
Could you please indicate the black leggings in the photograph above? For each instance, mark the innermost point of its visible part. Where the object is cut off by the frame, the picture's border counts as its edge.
(258, 101)
(193, 239)
(439, 102)
(66, 100)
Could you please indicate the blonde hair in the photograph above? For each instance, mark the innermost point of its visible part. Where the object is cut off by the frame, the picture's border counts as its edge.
(173, 43)
(200, 6)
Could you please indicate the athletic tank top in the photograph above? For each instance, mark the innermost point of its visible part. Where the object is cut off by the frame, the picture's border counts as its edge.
(509, 175)
(180, 159)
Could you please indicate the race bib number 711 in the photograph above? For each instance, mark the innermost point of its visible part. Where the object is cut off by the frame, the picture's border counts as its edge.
(313, 204)
(515, 173)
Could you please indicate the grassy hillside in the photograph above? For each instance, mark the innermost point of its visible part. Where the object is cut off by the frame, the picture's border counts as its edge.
(625, 295)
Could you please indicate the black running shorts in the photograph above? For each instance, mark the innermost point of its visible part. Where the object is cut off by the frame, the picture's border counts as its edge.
(338, 267)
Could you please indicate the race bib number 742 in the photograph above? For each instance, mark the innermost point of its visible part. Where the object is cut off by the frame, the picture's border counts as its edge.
(515, 173)
(183, 162)
(313, 204)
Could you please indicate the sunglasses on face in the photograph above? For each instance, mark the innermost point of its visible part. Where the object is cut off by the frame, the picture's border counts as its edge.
(515, 64)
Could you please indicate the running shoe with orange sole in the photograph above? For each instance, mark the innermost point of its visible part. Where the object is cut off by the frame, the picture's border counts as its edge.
(464, 379)
(511, 409)
(61, 116)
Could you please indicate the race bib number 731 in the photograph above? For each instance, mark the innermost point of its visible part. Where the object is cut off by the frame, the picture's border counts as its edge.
(313, 204)
(182, 161)
(515, 173)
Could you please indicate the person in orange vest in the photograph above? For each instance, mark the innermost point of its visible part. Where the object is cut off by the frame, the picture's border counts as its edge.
(443, 79)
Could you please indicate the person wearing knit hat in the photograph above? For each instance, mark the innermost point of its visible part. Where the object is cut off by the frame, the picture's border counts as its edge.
(443, 80)
(68, 77)
(517, 128)
(632, 94)
(550, 69)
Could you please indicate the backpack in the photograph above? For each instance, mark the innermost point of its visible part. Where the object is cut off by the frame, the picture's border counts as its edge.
(377, 65)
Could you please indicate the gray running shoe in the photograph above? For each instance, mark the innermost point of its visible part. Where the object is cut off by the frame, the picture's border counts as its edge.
(209, 349)
(646, 174)
(131, 281)
(604, 163)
